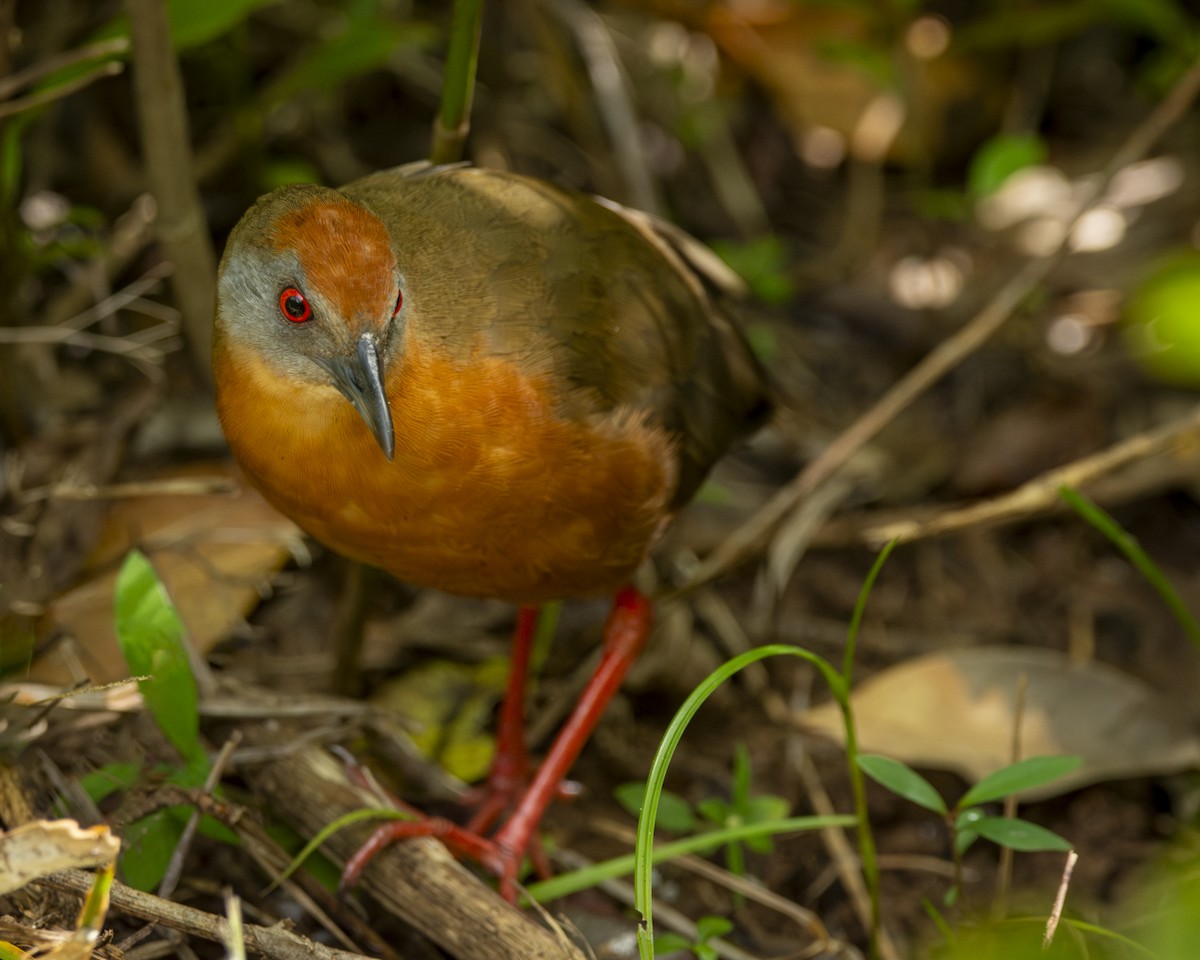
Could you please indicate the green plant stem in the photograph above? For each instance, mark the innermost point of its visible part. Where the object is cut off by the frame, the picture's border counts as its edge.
(860, 606)
(462, 56)
(866, 839)
(701, 843)
(1120, 538)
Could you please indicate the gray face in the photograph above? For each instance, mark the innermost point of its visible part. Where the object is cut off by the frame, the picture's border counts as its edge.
(267, 303)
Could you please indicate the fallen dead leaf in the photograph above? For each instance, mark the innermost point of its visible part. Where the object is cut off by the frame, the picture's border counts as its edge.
(789, 49)
(956, 711)
(214, 552)
(43, 847)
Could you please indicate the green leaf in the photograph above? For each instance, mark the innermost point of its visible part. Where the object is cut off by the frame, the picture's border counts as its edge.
(741, 777)
(1165, 20)
(9, 952)
(763, 808)
(901, 779)
(110, 778)
(704, 952)
(368, 41)
(767, 806)
(673, 811)
(148, 844)
(716, 811)
(999, 158)
(194, 22)
(1123, 541)
(214, 829)
(764, 263)
(1019, 834)
(670, 942)
(963, 840)
(150, 634)
(968, 817)
(709, 927)
(1022, 775)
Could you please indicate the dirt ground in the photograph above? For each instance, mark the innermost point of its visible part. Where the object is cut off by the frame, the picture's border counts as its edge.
(943, 364)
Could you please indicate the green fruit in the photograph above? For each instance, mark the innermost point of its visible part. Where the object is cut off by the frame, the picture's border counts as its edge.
(1162, 322)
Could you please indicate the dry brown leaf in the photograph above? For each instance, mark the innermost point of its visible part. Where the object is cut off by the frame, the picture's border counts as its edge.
(43, 847)
(955, 710)
(215, 553)
(785, 46)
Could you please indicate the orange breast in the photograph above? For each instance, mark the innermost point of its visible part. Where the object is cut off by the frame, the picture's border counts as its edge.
(491, 493)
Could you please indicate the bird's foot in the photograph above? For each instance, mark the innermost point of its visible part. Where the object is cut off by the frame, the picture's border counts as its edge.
(502, 855)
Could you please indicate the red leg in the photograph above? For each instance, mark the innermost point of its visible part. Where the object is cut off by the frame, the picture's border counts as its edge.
(624, 636)
(510, 764)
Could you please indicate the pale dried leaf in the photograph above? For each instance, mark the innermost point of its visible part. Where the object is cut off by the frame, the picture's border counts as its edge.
(215, 553)
(956, 710)
(46, 846)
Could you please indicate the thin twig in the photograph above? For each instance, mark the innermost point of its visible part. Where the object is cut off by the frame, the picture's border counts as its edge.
(849, 867)
(274, 941)
(750, 538)
(1004, 869)
(43, 97)
(172, 487)
(806, 919)
(174, 870)
(1041, 494)
(52, 64)
(1059, 900)
(613, 100)
(668, 916)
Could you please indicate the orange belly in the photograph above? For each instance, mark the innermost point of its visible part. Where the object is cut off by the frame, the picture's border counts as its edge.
(493, 492)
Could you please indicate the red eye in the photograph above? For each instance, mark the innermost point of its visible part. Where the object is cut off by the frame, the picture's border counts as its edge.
(294, 305)
(399, 303)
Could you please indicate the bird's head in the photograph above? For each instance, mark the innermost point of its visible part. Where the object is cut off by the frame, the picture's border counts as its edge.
(309, 282)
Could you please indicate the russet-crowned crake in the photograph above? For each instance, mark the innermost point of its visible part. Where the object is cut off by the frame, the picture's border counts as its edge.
(487, 385)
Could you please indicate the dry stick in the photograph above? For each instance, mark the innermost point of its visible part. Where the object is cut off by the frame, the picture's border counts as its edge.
(846, 861)
(276, 942)
(749, 539)
(182, 228)
(668, 916)
(1059, 899)
(171, 487)
(13, 107)
(1040, 494)
(174, 870)
(43, 68)
(1004, 869)
(417, 880)
(804, 918)
(613, 100)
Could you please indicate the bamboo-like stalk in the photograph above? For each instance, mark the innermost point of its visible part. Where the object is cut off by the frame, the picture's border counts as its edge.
(166, 148)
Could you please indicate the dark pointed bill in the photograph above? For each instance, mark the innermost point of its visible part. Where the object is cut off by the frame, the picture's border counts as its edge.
(360, 380)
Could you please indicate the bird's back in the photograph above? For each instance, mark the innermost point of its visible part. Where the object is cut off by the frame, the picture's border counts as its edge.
(625, 311)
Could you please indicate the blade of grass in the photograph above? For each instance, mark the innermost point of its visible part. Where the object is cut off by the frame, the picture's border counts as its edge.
(1123, 541)
(858, 784)
(701, 843)
(658, 770)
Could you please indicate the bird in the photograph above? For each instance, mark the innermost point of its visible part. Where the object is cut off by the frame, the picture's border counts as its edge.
(489, 385)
